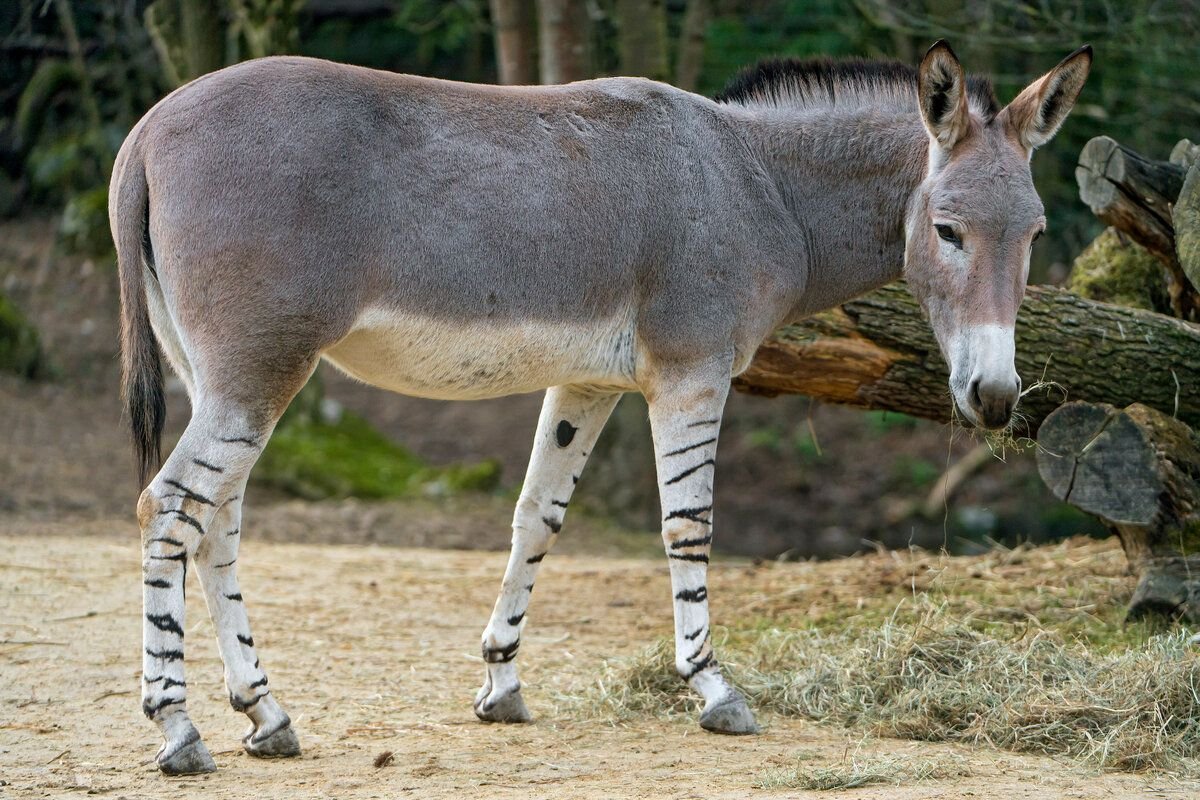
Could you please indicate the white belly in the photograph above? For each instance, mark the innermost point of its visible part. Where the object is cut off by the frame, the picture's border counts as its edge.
(473, 360)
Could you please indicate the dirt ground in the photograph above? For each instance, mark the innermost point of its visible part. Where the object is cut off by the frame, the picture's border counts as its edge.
(372, 649)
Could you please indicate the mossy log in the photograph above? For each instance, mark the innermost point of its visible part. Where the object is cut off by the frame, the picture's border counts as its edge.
(1135, 194)
(879, 352)
(1186, 218)
(1138, 471)
(1116, 269)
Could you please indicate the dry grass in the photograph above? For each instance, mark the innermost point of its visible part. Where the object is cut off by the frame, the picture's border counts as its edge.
(1017, 650)
(860, 770)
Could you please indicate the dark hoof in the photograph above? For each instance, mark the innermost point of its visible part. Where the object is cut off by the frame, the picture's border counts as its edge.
(509, 708)
(280, 743)
(191, 758)
(730, 715)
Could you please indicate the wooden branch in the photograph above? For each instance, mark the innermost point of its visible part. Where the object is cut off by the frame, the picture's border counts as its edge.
(878, 352)
(1135, 195)
(1138, 470)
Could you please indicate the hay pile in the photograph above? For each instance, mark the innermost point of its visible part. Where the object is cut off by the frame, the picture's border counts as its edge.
(939, 667)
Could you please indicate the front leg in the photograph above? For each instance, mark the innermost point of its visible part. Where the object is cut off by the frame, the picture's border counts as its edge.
(570, 421)
(685, 416)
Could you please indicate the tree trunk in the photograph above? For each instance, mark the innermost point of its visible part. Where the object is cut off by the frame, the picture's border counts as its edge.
(189, 38)
(1135, 195)
(690, 59)
(1137, 469)
(564, 40)
(878, 352)
(642, 38)
(516, 48)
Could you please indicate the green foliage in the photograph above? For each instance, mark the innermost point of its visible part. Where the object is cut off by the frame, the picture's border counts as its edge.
(20, 347)
(881, 423)
(913, 472)
(84, 226)
(314, 459)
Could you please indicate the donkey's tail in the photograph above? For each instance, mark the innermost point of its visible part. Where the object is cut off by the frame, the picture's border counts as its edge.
(141, 365)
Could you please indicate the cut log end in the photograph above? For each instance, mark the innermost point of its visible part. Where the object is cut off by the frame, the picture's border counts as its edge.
(1137, 470)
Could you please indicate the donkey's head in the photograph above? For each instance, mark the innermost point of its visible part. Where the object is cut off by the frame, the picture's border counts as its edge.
(970, 225)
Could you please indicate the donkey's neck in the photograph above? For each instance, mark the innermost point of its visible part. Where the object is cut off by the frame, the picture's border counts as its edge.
(845, 176)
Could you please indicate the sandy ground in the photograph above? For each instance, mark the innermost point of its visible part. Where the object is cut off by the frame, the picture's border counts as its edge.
(373, 649)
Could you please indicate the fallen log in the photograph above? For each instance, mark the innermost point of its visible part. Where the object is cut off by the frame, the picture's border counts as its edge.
(1135, 194)
(878, 352)
(1138, 471)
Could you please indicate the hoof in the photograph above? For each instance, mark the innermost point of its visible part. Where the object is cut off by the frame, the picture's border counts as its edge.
(280, 743)
(729, 715)
(190, 759)
(507, 708)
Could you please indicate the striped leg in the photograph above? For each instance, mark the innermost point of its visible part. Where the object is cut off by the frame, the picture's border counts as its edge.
(176, 512)
(567, 429)
(685, 417)
(270, 734)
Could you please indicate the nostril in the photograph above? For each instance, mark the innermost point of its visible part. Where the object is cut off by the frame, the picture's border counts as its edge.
(973, 394)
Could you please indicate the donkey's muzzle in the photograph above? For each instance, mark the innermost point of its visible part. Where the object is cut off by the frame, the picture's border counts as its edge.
(992, 401)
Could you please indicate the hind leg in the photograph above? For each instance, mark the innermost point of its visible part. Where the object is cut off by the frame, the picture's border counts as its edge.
(178, 513)
(270, 734)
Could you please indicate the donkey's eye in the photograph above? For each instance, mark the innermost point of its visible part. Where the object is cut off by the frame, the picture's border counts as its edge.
(947, 234)
(1038, 235)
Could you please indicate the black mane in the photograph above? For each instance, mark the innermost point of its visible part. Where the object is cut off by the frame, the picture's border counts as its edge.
(777, 80)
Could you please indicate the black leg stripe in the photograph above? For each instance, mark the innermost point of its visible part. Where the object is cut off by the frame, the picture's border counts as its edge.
(535, 559)
(240, 440)
(188, 493)
(691, 637)
(165, 623)
(246, 640)
(158, 583)
(690, 513)
(555, 525)
(696, 542)
(226, 564)
(501, 655)
(700, 666)
(180, 556)
(689, 448)
(166, 655)
(704, 422)
(206, 465)
(259, 683)
(186, 518)
(692, 595)
(236, 597)
(167, 540)
(701, 557)
(234, 532)
(152, 710)
(559, 503)
(706, 463)
(516, 620)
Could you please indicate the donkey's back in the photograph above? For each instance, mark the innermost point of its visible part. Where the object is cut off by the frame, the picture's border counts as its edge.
(383, 218)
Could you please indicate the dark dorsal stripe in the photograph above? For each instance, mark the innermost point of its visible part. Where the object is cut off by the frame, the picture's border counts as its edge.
(778, 81)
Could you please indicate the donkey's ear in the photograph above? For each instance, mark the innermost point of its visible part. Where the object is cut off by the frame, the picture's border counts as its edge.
(942, 93)
(1040, 109)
